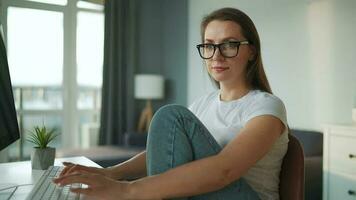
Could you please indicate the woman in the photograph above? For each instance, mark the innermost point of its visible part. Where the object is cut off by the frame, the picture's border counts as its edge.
(228, 145)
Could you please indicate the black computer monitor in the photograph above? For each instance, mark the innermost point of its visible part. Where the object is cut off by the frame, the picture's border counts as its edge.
(9, 129)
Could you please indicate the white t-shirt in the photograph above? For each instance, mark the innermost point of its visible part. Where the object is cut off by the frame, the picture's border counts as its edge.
(224, 121)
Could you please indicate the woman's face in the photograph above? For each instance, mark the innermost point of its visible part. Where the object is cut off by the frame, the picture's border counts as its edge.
(227, 70)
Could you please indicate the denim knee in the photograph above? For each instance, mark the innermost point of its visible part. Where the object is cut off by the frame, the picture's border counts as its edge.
(172, 109)
(168, 117)
(171, 113)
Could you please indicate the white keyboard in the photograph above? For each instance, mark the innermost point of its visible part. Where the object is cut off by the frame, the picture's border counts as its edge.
(47, 190)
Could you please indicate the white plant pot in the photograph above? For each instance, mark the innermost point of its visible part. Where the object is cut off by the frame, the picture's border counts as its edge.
(42, 158)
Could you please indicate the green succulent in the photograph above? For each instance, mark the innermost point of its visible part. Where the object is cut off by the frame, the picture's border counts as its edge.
(41, 136)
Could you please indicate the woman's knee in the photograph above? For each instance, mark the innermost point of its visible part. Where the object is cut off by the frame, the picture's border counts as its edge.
(167, 117)
(171, 111)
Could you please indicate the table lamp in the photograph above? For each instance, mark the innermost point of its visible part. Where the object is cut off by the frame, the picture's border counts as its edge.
(148, 87)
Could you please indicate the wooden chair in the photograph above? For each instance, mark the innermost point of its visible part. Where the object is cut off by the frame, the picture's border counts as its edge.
(291, 185)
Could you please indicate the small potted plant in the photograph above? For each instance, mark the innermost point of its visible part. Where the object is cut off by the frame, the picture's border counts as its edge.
(42, 155)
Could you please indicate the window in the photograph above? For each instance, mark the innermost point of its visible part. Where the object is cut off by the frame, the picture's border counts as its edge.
(55, 52)
(35, 46)
(58, 2)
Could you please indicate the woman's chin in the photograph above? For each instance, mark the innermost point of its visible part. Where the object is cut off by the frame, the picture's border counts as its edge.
(219, 78)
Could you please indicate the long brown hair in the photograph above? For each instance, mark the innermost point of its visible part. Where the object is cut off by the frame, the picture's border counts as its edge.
(255, 74)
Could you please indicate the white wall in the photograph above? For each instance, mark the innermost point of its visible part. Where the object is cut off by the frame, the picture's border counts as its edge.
(308, 49)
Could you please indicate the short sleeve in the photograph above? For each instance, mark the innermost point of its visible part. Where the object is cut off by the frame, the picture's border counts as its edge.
(194, 106)
(200, 104)
(267, 104)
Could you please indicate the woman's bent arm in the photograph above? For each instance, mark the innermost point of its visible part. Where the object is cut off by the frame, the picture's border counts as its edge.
(131, 169)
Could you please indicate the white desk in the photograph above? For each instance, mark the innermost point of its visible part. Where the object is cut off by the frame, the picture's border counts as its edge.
(20, 173)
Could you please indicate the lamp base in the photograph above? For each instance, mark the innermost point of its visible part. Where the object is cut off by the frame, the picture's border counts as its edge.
(145, 117)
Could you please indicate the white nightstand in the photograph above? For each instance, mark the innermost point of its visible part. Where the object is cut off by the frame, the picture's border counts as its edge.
(339, 162)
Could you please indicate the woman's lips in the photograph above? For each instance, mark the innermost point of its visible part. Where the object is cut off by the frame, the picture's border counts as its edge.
(220, 69)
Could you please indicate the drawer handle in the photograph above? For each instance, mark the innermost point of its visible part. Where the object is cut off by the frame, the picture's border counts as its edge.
(352, 156)
(351, 192)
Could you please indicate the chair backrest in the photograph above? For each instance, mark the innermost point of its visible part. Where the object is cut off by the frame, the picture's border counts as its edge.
(291, 185)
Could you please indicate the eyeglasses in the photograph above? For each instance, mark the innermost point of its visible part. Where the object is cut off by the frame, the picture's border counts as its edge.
(227, 49)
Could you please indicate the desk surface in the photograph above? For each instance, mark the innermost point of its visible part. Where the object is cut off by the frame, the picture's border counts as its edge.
(20, 173)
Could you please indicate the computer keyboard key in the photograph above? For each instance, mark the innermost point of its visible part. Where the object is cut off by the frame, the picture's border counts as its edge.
(45, 188)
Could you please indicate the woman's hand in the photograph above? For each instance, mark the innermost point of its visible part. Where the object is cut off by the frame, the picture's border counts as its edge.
(99, 186)
(71, 168)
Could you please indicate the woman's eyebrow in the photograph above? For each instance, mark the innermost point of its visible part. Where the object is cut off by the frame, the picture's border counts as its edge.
(208, 41)
(223, 40)
(230, 39)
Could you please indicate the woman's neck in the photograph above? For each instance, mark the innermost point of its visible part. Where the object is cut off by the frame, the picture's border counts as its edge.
(229, 93)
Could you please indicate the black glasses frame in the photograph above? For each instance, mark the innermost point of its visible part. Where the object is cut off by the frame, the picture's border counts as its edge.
(237, 43)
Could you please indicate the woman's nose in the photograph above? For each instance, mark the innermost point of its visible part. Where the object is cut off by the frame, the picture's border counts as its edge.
(217, 55)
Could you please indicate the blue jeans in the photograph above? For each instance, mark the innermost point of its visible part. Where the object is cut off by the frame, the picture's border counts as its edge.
(176, 136)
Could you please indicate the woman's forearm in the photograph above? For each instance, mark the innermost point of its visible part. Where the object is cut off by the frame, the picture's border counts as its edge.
(130, 169)
(190, 179)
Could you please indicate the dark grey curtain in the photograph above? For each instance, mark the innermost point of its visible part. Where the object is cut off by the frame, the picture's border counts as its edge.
(119, 56)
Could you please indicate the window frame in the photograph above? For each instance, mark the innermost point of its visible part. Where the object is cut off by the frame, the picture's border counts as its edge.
(70, 88)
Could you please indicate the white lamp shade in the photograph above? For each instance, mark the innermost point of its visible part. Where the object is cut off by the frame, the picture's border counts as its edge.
(149, 86)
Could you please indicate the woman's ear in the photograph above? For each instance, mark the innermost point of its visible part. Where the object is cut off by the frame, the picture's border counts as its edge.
(252, 53)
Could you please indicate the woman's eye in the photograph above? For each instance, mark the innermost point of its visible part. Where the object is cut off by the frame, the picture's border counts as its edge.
(231, 45)
(209, 47)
